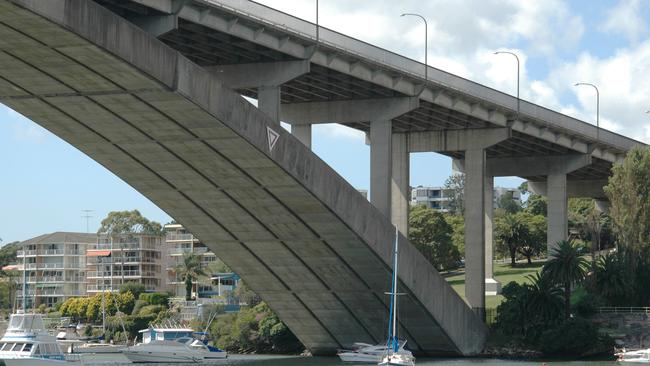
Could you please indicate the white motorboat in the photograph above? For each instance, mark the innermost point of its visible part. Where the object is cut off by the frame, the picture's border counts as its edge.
(634, 357)
(363, 352)
(98, 348)
(394, 354)
(171, 345)
(27, 343)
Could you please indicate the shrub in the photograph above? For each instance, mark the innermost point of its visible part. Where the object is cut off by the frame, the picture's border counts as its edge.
(574, 337)
(135, 288)
(151, 310)
(155, 298)
(139, 304)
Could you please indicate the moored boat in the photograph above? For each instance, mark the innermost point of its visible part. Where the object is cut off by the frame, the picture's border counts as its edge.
(172, 345)
(394, 354)
(27, 343)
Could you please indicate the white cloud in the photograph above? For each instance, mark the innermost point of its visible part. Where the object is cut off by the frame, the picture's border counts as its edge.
(626, 19)
(622, 80)
(338, 131)
(21, 128)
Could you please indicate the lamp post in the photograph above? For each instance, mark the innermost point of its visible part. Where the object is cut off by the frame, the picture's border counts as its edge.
(597, 107)
(518, 73)
(426, 43)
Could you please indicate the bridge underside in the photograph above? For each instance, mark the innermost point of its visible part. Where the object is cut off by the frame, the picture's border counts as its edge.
(295, 231)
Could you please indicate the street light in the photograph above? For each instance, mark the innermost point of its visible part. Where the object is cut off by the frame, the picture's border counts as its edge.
(597, 107)
(426, 48)
(516, 57)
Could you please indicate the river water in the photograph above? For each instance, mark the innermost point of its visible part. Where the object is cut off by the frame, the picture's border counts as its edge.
(261, 360)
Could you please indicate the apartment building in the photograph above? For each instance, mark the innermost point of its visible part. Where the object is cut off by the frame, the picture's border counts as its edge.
(55, 266)
(114, 260)
(178, 242)
(437, 199)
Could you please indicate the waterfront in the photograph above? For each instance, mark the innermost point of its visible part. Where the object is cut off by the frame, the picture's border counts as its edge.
(268, 360)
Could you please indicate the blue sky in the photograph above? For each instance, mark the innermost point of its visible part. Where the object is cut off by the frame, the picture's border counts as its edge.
(46, 183)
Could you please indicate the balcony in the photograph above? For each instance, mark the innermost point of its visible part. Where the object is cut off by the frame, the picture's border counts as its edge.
(22, 253)
(51, 252)
(180, 237)
(199, 250)
(51, 279)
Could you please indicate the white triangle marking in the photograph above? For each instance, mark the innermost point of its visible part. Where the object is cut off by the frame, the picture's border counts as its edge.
(272, 137)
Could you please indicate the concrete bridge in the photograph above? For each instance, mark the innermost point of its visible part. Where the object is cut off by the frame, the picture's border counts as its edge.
(145, 88)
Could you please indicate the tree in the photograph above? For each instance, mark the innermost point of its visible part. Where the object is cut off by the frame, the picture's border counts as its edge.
(566, 267)
(8, 253)
(508, 204)
(455, 190)
(431, 235)
(510, 232)
(135, 288)
(533, 240)
(457, 224)
(613, 281)
(128, 222)
(189, 270)
(629, 194)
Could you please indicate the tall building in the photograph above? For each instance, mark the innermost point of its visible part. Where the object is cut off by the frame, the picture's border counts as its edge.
(55, 266)
(178, 242)
(114, 260)
(500, 191)
(431, 197)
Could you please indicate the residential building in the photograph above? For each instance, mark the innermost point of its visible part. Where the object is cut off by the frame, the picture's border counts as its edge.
(55, 266)
(178, 242)
(435, 197)
(114, 260)
(431, 197)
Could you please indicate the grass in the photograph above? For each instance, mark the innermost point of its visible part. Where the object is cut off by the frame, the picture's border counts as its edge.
(503, 273)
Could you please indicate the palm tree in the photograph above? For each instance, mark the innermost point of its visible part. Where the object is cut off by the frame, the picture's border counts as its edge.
(189, 270)
(566, 267)
(613, 281)
(545, 298)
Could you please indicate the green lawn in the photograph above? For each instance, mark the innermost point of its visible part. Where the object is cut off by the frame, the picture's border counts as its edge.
(503, 273)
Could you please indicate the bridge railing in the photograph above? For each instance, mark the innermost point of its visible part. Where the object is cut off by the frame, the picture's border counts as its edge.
(624, 310)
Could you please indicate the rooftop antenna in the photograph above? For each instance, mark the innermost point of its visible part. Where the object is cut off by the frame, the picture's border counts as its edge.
(86, 215)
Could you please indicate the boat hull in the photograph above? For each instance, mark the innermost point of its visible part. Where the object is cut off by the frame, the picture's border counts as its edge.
(357, 357)
(160, 357)
(33, 362)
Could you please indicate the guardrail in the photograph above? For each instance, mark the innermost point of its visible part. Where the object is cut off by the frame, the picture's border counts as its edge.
(624, 310)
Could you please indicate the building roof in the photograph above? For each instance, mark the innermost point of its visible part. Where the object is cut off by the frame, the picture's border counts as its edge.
(62, 237)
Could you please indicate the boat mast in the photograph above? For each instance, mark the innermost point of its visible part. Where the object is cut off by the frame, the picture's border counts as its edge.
(394, 295)
(24, 278)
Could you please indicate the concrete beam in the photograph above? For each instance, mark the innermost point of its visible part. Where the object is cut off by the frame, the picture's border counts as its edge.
(254, 75)
(537, 165)
(575, 188)
(348, 111)
(156, 25)
(456, 140)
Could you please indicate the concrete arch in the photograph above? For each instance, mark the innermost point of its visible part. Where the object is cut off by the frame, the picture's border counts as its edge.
(296, 232)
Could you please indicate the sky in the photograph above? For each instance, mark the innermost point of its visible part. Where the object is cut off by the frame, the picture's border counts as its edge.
(46, 184)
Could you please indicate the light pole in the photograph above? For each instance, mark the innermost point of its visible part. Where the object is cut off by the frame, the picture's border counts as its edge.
(518, 73)
(597, 107)
(426, 43)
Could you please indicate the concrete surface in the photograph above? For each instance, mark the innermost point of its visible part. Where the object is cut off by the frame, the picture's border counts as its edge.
(297, 233)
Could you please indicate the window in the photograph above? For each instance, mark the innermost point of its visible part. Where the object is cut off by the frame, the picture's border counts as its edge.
(28, 347)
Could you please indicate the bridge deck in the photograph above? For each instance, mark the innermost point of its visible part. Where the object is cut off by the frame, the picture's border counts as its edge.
(296, 232)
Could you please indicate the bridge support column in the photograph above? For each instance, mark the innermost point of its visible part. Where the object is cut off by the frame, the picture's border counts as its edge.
(302, 133)
(268, 101)
(381, 165)
(492, 286)
(400, 183)
(558, 224)
(475, 179)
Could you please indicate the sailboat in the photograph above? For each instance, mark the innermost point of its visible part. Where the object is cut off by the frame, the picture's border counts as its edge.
(395, 355)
